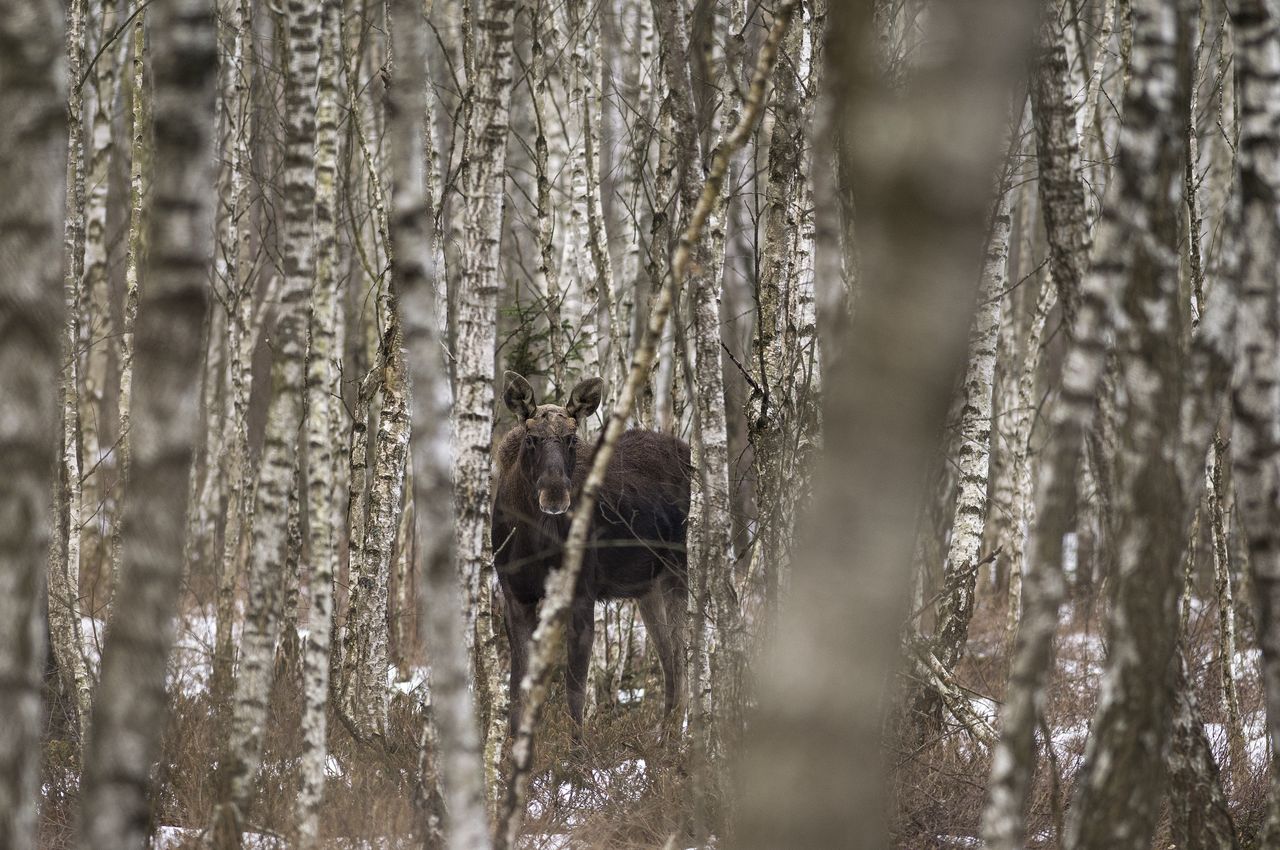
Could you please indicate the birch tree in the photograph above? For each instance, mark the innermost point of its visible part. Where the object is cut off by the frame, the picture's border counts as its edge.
(324, 392)
(129, 712)
(1115, 803)
(284, 420)
(32, 145)
(96, 303)
(481, 187)
(64, 562)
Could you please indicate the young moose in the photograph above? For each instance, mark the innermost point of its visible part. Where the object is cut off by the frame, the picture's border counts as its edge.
(635, 548)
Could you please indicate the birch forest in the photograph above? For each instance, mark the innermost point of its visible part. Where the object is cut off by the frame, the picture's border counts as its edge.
(666, 424)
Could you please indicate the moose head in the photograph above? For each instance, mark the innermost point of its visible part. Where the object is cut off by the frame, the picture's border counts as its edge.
(549, 450)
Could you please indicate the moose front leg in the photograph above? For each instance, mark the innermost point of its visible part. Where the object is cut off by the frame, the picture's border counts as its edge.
(582, 626)
(520, 620)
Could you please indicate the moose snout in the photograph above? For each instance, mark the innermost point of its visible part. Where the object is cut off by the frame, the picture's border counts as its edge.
(553, 498)
(553, 502)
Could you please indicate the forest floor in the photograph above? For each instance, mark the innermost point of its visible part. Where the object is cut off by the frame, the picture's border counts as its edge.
(939, 780)
(620, 788)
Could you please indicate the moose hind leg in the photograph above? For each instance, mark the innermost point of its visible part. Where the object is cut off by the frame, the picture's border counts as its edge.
(582, 627)
(675, 602)
(657, 627)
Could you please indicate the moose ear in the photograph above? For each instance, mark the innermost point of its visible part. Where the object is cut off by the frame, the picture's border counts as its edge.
(518, 396)
(585, 398)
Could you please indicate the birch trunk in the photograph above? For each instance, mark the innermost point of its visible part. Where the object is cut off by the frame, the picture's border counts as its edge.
(234, 251)
(64, 562)
(129, 712)
(1227, 668)
(133, 257)
(1087, 303)
(482, 181)
(439, 600)
(278, 464)
(98, 328)
(1255, 440)
(769, 420)
(970, 514)
(1116, 802)
(1198, 812)
(323, 421)
(32, 166)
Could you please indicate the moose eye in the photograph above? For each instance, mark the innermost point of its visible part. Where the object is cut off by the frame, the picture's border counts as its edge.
(530, 440)
(572, 441)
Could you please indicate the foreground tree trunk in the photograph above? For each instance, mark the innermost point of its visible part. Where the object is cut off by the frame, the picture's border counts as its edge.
(32, 147)
(129, 714)
(1255, 441)
(812, 777)
(412, 269)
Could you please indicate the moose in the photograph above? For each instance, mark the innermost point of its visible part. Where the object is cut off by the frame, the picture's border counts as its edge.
(635, 546)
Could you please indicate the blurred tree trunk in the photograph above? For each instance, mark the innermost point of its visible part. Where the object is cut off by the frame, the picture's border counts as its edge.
(279, 461)
(129, 713)
(1062, 200)
(812, 772)
(1255, 439)
(413, 266)
(1198, 813)
(32, 167)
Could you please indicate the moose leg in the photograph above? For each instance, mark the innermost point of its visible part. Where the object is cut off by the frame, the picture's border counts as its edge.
(582, 627)
(675, 601)
(521, 619)
(653, 612)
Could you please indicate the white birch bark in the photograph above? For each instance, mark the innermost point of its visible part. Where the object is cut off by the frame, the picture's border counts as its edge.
(970, 513)
(98, 327)
(233, 252)
(32, 166)
(323, 421)
(482, 181)
(64, 562)
(276, 484)
(1116, 804)
(129, 712)
(133, 257)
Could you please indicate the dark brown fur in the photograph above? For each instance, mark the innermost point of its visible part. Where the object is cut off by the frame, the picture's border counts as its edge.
(636, 545)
